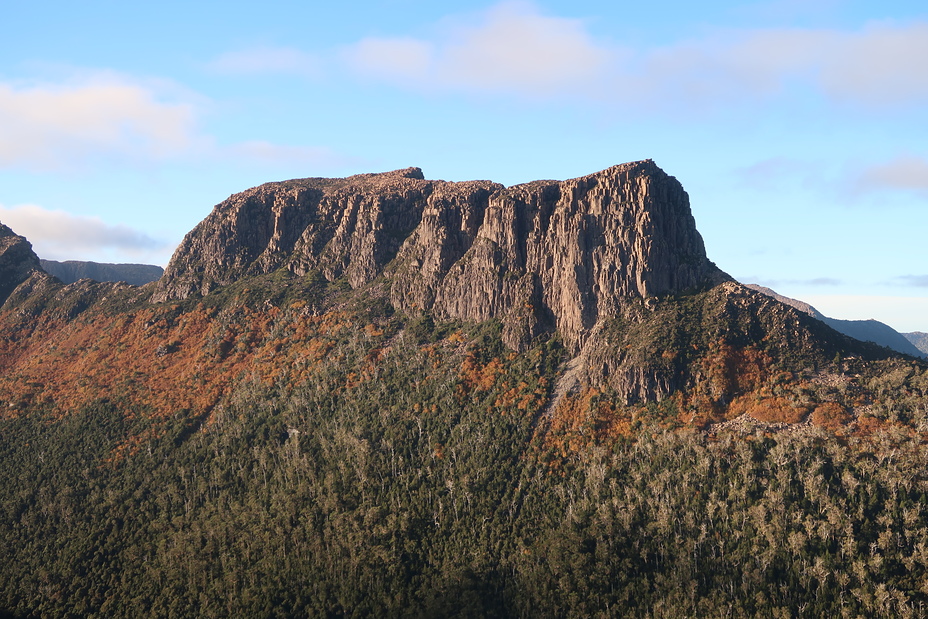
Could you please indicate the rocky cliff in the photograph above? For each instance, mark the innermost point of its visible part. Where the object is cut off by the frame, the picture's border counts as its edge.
(17, 261)
(611, 262)
(539, 256)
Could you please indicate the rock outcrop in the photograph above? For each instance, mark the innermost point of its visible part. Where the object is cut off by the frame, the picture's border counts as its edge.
(17, 261)
(538, 256)
(343, 227)
(71, 271)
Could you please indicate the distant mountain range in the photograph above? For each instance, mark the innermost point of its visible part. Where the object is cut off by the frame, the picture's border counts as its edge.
(71, 271)
(919, 339)
(915, 344)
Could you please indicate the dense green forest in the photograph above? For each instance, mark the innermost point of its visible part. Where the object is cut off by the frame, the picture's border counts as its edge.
(416, 468)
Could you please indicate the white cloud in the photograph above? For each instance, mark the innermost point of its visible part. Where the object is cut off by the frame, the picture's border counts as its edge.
(884, 63)
(49, 126)
(102, 117)
(906, 173)
(880, 64)
(262, 60)
(511, 48)
(57, 235)
(514, 49)
(403, 59)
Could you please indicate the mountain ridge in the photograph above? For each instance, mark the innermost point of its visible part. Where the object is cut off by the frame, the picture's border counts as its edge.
(70, 271)
(472, 250)
(864, 330)
(17, 261)
(610, 265)
(918, 339)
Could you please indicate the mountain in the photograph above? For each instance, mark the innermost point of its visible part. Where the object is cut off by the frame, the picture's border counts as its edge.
(918, 339)
(17, 261)
(863, 330)
(802, 306)
(471, 251)
(70, 271)
(389, 396)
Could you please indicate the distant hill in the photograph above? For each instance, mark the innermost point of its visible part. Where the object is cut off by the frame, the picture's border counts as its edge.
(71, 271)
(863, 330)
(919, 339)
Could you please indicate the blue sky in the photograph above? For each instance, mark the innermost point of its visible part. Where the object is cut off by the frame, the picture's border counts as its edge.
(797, 127)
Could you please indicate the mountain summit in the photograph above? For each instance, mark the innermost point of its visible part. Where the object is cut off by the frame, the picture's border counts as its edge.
(546, 255)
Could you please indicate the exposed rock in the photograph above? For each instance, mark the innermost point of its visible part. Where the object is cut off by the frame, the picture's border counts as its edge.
(342, 227)
(574, 250)
(71, 271)
(539, 256)
(17, 261)
(644, 354)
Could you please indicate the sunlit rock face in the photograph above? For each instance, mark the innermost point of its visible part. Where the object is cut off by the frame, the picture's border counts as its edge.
(545, 255)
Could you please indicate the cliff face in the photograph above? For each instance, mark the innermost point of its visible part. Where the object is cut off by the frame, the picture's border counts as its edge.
(342, 227)
(611, 262)
(17, 261)
(539, 256)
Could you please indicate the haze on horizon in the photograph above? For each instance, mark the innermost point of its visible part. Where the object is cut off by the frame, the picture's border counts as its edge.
(796, 127)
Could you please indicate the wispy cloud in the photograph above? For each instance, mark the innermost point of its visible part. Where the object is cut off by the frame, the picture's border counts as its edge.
(104, 117)
(904, 173)
(264, 60)
(787, 9)
(57, 235)
(777, 173)
(879, 64)
(920, 281)
(48, 126)
(513, 48)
